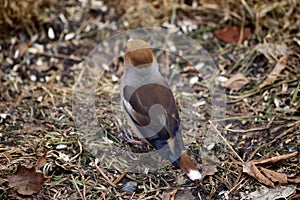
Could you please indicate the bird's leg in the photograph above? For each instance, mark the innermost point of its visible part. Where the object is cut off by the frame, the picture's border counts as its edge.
(128, 138)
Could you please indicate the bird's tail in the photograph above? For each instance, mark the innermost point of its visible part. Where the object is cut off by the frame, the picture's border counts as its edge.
(187, 166)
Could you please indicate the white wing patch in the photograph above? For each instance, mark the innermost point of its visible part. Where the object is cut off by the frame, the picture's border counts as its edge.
(128, 107)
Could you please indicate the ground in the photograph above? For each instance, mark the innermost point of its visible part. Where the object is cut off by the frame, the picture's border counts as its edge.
(255, 46)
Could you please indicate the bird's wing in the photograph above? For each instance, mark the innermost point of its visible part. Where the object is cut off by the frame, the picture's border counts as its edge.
(153, 109)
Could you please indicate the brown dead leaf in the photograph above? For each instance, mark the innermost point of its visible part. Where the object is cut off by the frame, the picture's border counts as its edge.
(26, 180)
(232, 34)
(252, 170)
(271, 78)
(266, 176)
(274, 176)
(236, 82)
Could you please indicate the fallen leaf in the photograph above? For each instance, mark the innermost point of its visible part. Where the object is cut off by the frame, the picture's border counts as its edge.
(232, 34)
(252, 170)
(266, 176)
(236, 82)
(274, 176)
(271, 78)
(26, 180)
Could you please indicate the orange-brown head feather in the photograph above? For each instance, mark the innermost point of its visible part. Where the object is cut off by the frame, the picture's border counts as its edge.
(139, 53)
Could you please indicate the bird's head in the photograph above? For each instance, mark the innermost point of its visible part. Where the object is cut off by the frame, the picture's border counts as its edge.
(139, 53)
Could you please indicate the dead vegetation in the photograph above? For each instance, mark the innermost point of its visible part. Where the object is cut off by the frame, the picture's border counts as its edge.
(41, 47)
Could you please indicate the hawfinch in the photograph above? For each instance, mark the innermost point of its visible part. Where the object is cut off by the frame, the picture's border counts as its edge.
(150, 107)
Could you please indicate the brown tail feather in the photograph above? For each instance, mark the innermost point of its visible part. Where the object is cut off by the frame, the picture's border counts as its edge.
(187, 166)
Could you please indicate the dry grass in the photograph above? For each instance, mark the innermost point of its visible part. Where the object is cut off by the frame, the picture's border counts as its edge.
(36, 95)
(28, 15)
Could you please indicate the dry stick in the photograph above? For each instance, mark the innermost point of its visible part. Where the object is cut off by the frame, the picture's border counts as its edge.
(120, 177)
(80, 151)
(84, 185)
(77, 188)
(247, 130)
(247, 8)
(199, 196)
(276, 159)
(59, 56)
(233, 118)
(105, 193)
(126, 174)
(234, 187)
(112, 184)
(226, 142)
(49, 93)
(104, 176)
(251, 107)
(165, 182)
(242, 28)
(241, 185)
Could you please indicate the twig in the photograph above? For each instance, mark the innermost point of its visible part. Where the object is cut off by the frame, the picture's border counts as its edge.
(77, 188)
(234, 118)
(104, 176)
(226, 142)
(238, 185)
(120, 178)
(59, 56)
(83, 185)
(49, 93)
(247, 130)
(247, 8)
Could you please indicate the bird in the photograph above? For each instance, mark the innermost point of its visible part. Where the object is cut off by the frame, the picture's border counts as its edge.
(150, 107)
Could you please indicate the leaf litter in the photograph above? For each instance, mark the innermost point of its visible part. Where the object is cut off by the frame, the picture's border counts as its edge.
(236, 82)
(270, 177)
(40, 61)
(28, 180)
